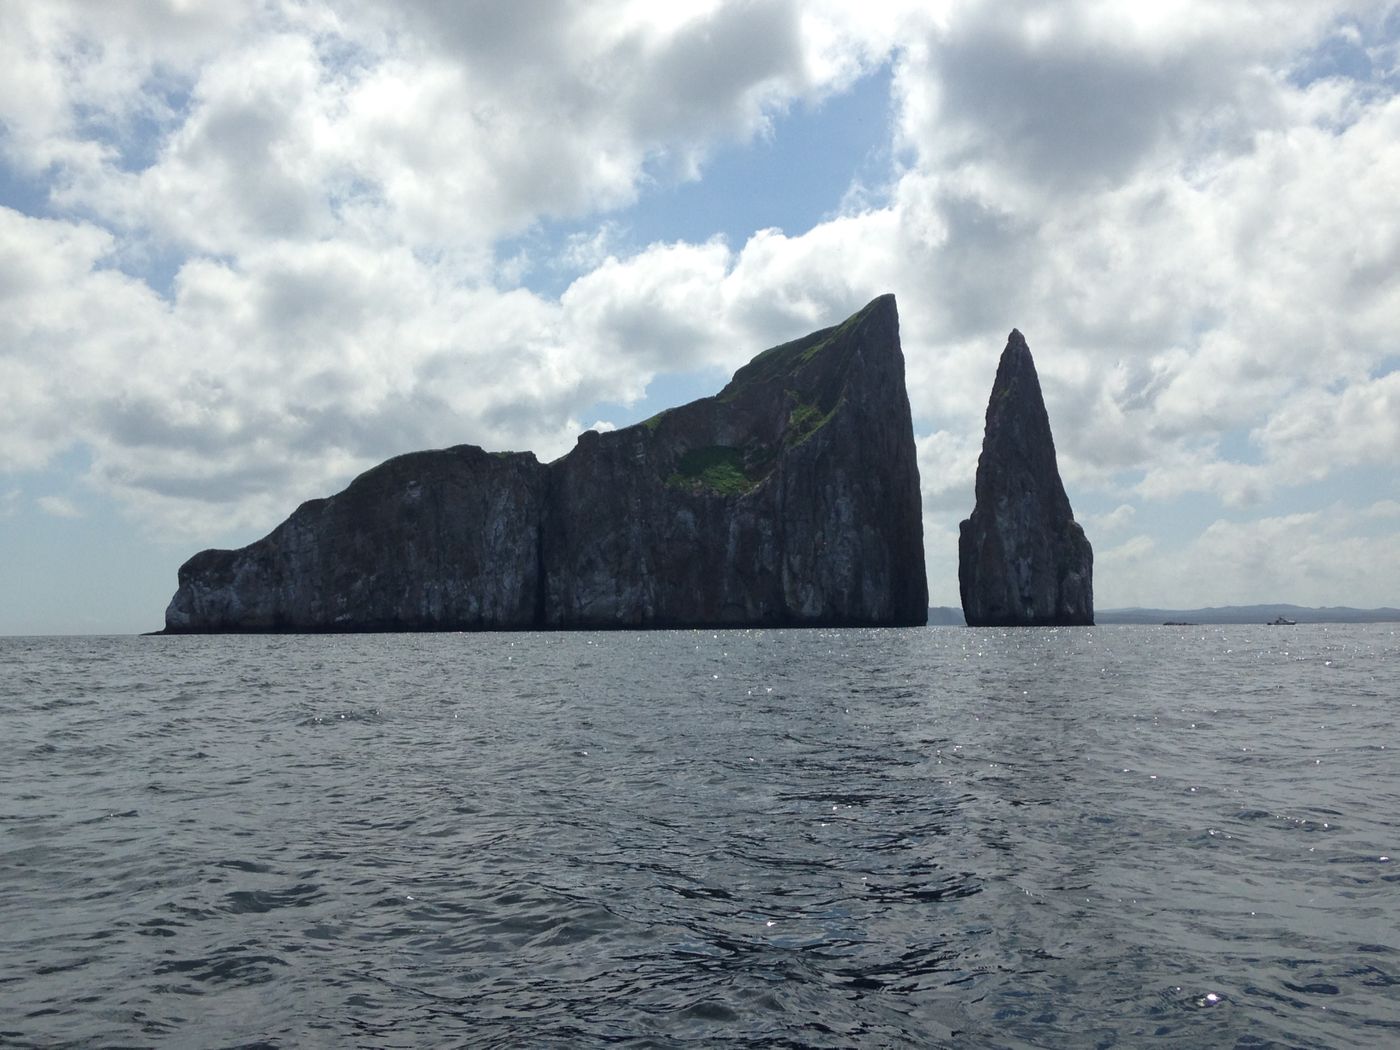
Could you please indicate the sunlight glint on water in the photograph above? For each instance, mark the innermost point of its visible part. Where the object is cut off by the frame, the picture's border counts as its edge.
(1110, 836)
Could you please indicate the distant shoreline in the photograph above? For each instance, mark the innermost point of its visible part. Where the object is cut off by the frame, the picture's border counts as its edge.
(948, 616)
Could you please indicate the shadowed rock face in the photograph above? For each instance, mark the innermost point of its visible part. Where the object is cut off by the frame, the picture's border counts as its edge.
(1022, 558)
(789, 498)
(444, 540)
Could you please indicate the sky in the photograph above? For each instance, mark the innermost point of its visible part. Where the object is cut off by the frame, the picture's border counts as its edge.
(250, 249)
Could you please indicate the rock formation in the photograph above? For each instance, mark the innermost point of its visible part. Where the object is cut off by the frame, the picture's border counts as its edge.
(1022, 558)
(789, 498)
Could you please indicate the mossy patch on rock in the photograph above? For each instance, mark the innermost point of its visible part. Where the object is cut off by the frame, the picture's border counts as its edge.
(719, 468)
(804, 420)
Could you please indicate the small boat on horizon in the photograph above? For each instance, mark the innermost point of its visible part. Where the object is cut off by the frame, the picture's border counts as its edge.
(1282, 621)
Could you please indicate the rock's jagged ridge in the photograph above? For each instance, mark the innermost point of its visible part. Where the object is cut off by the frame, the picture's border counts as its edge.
(789, 498)
(1022, 558)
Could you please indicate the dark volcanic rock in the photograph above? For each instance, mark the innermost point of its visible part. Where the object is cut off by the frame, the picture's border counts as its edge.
(1022, 558)
(791, 497)
(444, 540)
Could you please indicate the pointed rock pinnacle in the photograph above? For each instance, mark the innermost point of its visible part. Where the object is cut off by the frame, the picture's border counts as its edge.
(1022, 558)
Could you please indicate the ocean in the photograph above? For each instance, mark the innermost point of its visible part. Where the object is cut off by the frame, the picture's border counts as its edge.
(939, 837)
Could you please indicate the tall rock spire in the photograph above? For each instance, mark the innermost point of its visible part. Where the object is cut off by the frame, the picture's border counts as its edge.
(1022, 558)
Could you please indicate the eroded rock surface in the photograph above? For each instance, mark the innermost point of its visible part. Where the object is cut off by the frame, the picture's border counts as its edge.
(1022, 558)
(441, 540)
(789, 498)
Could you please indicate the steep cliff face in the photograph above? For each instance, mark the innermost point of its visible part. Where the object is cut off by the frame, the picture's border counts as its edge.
(791, 497)
(1022, 558)
(443, 540)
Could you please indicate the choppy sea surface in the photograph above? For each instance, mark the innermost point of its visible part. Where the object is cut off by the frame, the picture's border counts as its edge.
(1094, 837)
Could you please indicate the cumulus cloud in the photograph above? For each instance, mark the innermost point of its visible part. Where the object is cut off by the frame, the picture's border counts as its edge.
(443, 125)
(947, 469)
(1307, 558)
(1318, 431)
(268, 253)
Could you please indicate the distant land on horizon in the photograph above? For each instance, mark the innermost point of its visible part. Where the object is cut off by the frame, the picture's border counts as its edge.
(950, 616)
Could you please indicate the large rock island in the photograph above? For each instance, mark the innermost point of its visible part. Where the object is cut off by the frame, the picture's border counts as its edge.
(1022, 558)
(789, 498)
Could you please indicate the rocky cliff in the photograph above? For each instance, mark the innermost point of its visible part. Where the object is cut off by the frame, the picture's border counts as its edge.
(789, 498)
(447, 539)
(1022, 558)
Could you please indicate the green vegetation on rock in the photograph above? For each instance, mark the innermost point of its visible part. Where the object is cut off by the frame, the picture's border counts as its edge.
(805, 420)
(719, 468)
(802, 418)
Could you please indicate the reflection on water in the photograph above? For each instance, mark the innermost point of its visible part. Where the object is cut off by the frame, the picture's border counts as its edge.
(1107, 836)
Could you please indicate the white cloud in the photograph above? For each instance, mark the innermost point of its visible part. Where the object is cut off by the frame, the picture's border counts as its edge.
(441, 126)
(58, 507)
(1197, 241)
(1037, 99)
(947, 468)
(1128, 574)
(1384, 511)
(76, 78)
(1304, 437)
(1312, 558)
(1318, 431)
(1119, 518)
